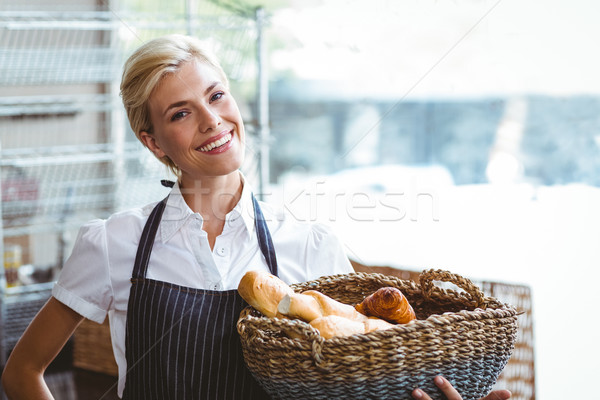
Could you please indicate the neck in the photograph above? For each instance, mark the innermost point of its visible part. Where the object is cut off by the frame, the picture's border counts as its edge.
(212, 197)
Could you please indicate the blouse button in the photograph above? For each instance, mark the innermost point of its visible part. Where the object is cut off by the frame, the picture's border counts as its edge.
(222, 251)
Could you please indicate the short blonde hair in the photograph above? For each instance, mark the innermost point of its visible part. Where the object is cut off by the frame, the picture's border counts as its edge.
(146, 67)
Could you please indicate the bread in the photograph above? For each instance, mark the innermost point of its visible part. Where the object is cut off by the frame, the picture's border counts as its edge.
(275, 299)
(376, 324)
(387, 303)
(263, 291)
(330, 317)
(297, 305)
(312, 304)
(333, 325)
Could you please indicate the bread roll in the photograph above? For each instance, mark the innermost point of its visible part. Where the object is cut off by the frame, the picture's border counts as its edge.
(387, 303)
(263, 291)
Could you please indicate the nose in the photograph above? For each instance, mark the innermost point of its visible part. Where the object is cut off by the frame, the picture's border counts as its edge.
(209, 119)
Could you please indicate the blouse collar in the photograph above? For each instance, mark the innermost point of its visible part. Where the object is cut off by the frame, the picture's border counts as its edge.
(177, 212)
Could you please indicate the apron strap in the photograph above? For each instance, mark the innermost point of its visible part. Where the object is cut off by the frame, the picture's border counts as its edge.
(142, 257)
(264, 237)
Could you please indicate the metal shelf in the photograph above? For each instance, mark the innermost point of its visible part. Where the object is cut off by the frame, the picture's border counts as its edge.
(57, 66)
(58, 20)
(18, 306)
(64, 156)
(36, 105)
(48, 182)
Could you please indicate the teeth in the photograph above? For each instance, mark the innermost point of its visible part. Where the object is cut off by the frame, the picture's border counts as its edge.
(216, 143)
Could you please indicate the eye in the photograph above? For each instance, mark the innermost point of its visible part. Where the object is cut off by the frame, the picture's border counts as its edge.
(217, 96)
(178, 115)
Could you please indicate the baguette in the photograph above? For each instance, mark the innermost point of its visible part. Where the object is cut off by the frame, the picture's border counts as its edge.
(263, 291)
(376, 324)
(335, 326)
(301, 306)
(312, 304)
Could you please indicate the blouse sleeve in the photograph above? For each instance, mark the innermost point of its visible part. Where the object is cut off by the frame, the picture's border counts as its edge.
(84, 281)
(325, 253)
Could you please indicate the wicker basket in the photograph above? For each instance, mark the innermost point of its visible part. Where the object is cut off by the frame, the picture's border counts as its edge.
(92, 348)
(462, 335)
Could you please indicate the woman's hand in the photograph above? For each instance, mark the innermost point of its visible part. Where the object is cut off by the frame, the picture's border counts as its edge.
(452, 394)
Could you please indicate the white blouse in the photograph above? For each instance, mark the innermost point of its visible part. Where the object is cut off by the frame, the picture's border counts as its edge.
(95, 280)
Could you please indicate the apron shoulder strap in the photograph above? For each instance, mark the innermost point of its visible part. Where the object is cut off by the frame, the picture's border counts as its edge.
(142, 257)
(264, 237)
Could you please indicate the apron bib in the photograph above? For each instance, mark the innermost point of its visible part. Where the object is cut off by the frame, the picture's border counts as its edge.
(181, 342)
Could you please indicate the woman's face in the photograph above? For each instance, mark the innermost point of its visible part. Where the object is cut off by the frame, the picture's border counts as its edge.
(196, 122)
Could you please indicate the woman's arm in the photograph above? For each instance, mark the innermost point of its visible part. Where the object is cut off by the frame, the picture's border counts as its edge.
(23, 376)
(452, 394)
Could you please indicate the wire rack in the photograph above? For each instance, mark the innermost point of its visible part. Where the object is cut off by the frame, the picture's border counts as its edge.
(67, 154)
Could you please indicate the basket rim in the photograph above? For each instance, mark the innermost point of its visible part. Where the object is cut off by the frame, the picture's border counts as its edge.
(434, 291)
(252, 317)
(434, 321)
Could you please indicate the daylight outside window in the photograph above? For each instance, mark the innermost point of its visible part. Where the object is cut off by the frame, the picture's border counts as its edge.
(456, 135)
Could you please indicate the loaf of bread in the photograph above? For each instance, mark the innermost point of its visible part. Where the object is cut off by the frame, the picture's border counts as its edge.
(389, 304)
(263, 291)
(313, 304)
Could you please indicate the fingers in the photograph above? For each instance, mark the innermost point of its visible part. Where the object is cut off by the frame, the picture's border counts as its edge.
(452, 394)
(445, 387)
(498, 395)
(419, 394)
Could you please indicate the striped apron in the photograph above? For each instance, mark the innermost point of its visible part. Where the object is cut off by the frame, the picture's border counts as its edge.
(181, 342)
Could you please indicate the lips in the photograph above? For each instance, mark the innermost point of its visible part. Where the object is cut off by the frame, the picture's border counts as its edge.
(217, 143)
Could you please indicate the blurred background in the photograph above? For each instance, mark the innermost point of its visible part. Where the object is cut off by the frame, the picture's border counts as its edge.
(460, 135)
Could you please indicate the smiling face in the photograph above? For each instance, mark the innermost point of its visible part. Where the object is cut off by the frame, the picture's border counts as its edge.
(196, 123)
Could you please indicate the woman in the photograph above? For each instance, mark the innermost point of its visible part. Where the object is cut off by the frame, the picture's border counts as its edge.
(166, 274)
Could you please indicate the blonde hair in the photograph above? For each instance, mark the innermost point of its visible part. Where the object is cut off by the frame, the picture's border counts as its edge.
(146, 67)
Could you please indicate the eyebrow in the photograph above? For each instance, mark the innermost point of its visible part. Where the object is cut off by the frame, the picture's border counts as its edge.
(184, 102)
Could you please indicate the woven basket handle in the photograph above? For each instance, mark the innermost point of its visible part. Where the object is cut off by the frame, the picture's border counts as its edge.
(472, 291)
(292, 328)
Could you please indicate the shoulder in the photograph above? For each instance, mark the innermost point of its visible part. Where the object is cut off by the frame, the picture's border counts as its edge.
(285, 226)
(129, 218)
(124, 225)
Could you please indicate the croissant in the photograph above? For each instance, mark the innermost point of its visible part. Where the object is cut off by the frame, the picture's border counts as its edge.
(387, 303)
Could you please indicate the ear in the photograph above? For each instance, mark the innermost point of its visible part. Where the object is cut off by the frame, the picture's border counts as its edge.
(150, 142)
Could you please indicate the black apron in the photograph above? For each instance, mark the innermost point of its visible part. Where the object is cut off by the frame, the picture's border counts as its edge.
(181, 342)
